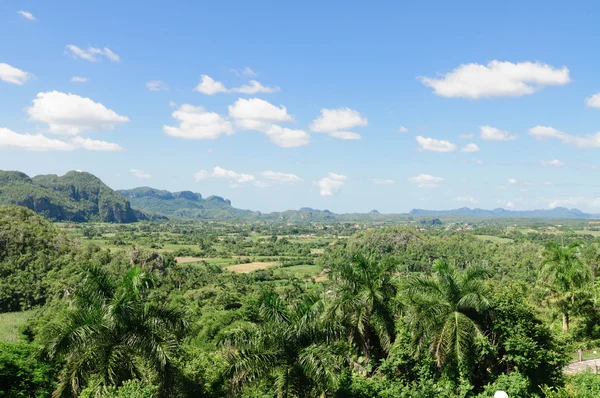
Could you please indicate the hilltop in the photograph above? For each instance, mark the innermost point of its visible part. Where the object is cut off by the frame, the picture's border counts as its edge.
(75, 196)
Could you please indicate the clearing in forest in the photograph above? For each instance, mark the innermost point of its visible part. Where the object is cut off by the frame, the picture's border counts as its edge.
(249, 267)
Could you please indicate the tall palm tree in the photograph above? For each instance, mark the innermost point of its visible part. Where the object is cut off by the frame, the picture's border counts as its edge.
(363, 298)
(112, 333)
(443, 311)
(292, 345)
(565, 276)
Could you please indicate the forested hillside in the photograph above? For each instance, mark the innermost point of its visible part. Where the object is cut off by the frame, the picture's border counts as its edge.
(210, 309)
(76, 196)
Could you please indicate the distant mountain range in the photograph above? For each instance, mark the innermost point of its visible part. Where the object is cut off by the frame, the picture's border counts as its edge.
(79, 196)
(557, 212)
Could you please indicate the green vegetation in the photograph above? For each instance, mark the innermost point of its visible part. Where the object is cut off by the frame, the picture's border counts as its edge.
(265, 308)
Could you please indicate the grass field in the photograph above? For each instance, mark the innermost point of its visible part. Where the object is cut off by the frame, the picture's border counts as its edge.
(494, 239)
(249, 267)
(10, 322)
(299, 271)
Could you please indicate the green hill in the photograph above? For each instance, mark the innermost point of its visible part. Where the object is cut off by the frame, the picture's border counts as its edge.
(185, 204)
(76, 196)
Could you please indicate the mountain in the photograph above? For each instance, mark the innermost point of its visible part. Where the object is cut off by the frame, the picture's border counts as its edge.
(557, 212)
(185, 204)
(76, 196)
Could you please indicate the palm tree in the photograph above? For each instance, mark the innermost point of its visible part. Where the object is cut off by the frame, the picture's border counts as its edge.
(112, 333)
(443, 311)
(363, 299)
(292, 344)
(565, 276)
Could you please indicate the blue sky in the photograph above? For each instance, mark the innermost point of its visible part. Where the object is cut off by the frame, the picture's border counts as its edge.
(517, 80)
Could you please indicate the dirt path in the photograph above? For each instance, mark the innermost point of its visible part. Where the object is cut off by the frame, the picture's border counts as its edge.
(578, 367)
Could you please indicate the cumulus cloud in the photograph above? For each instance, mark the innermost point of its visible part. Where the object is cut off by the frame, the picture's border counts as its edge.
(433, 145)
(71, 114)
(27, 15)
(336, 122)
(402, 129)
(593, 101)
(197, 124)
(257, 114)
(209, 86)
(96, 145)
(497, 79)
(259, 109)
(13, 75)
(92, 53)
(246, 72)
(38, 142)
(552, 163)
(79, 79)
(156, 85)
(139, 173)
(332, 184)
(489, 133)
(470, 148)
(426, 181)
(466, 199)
(221, 173)
(586, 141)
(381, 181)
(281, 177)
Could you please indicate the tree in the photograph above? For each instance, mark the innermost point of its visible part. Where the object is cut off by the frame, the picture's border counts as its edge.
(565, 276)
(363, 298)
(111, 333)
(291, 344)
(443, 311)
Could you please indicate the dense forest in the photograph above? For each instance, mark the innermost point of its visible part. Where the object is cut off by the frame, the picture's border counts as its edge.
(265, 309)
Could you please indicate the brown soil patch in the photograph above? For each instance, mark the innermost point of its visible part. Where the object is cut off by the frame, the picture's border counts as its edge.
(182, 260)
(249, 267)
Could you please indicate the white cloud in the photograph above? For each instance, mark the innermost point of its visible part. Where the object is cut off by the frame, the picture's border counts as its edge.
(568, 202)
(403, 129)
(249, 72)
(426, 180)
(258, 109)
(345, 135)
(13, 75)
(197, 124)
(470, 148)
(332, 184)
(253, 88)
(497, 79)
(593, 101)
(586, 141)
(39, 142)
(139, 173)
(513, 181)
(92, 53)
(466, 136)
(381, 181)
(95, 145)
(71, 114)
(285, 137)
(431, 144)
(335, 122)
(27, 14)
(466, 199)
(552, 163)
(489, 133)
(11, 140)
(79, 79)
(209, 86)
(156, 85)
(281, 177)
(222, 173)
